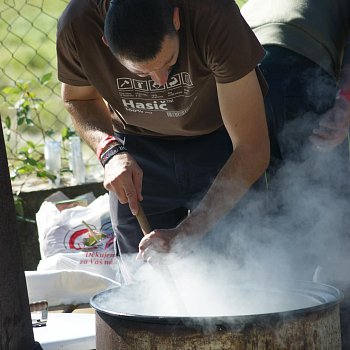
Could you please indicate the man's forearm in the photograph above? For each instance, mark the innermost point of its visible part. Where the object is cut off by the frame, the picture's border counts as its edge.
(242, 110)
(91, 118)
(239, 173)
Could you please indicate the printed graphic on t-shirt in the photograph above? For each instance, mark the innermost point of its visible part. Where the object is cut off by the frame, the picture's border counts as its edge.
(146, 96)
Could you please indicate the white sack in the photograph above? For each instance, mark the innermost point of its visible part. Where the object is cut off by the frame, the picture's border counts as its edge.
(66, 243)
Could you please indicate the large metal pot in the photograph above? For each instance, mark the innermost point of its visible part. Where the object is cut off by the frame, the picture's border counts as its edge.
(308, 319)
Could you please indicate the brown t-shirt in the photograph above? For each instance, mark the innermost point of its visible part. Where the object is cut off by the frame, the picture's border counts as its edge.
(216, 45)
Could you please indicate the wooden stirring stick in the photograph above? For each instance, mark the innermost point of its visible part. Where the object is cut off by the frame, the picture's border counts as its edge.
(163, 269)
(143, 221)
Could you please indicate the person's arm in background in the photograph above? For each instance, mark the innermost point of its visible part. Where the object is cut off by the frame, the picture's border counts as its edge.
(334, 124)
(242, 109)
(92, 120)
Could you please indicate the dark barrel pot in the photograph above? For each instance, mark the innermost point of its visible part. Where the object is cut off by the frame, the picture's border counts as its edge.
(315, 325)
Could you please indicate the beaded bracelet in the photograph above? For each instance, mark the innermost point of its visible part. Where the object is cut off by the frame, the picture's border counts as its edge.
(111, 152)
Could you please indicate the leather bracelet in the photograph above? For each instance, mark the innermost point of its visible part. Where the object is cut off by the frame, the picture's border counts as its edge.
(111, 152)
(103, 144)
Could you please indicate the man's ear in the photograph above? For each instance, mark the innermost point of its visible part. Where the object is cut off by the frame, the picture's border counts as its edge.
(104, 40)
(176, 18)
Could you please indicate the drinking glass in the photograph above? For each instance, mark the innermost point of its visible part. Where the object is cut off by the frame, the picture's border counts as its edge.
(52, 153)
(76, 163)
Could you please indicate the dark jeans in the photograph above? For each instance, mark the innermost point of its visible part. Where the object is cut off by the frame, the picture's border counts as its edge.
(176, 175)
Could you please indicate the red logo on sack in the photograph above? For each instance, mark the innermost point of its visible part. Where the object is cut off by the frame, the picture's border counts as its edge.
(81, 238)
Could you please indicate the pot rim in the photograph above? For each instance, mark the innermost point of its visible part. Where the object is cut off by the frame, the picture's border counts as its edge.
(328, 295)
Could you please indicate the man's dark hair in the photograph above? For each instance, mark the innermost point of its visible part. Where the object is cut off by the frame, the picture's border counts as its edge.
(135, 29)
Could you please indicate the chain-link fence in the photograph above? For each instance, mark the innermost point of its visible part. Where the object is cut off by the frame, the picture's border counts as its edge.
(30, 104)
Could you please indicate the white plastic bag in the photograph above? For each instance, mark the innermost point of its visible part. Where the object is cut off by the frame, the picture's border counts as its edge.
(78, 238)
(65, 287)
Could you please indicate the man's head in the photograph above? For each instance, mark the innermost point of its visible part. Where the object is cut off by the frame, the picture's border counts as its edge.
(142, 34)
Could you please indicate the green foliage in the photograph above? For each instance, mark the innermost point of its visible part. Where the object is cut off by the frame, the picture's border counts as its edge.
(24, 100)
(29, 159)
(67, 132)
(45, 79)
(240, 3)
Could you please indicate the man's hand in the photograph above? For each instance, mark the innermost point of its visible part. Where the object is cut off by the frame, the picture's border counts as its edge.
(123, 176)
(163, 246)
(333, 127)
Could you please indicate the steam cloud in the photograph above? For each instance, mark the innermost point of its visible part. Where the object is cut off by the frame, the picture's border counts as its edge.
(299, 229)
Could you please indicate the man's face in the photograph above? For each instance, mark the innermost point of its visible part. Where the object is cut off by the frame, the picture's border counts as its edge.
(159, 68)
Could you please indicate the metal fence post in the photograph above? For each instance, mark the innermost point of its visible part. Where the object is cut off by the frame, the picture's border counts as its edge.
(16, 332)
